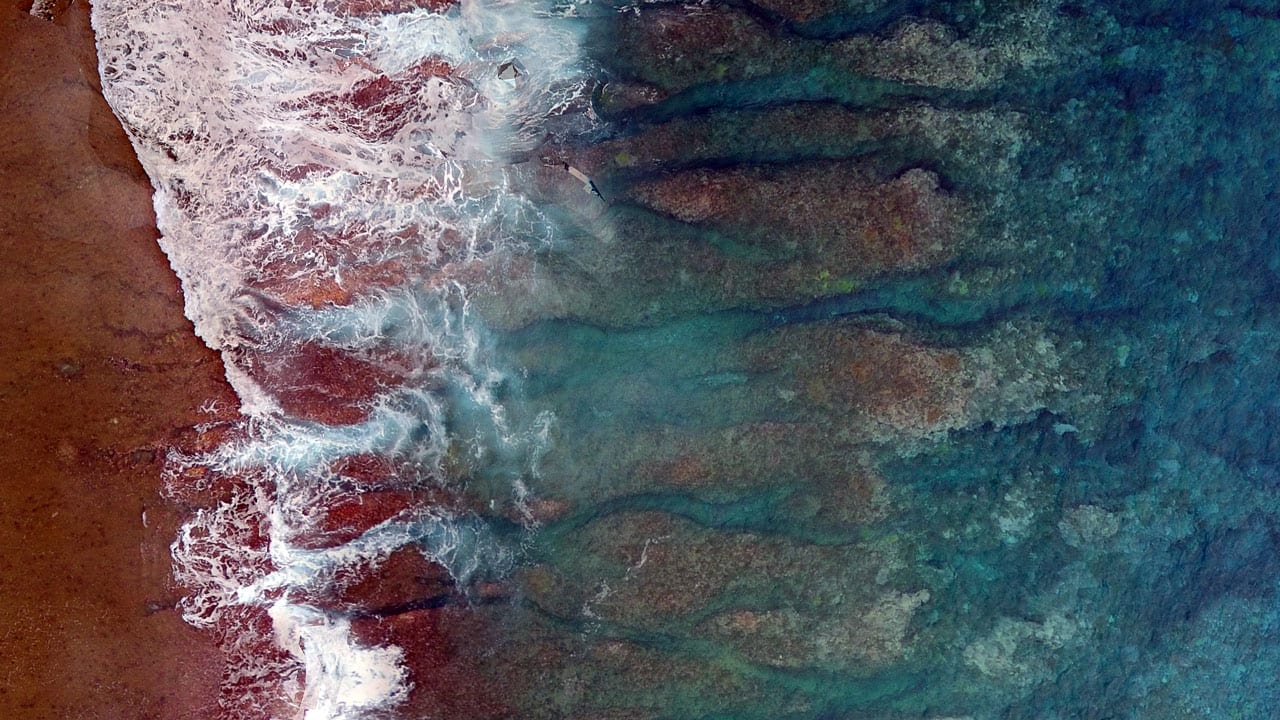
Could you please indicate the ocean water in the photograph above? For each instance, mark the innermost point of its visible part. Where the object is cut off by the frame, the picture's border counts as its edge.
(740, 359)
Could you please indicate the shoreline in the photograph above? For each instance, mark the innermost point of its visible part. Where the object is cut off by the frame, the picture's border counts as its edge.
(101, 374)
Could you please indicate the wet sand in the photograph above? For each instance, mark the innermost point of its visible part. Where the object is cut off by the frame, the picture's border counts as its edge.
(99, 374)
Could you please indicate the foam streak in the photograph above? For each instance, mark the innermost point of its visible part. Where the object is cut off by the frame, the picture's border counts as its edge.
(326, 172)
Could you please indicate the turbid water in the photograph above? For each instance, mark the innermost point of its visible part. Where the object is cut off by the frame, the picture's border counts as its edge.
(834, 359)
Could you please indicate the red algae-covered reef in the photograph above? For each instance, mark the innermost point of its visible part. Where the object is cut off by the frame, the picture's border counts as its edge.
(853, 411)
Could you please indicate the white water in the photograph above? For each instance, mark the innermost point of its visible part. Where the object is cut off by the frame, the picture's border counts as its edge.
(221, 99)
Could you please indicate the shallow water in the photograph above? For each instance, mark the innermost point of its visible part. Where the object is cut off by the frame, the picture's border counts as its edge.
(896, 360)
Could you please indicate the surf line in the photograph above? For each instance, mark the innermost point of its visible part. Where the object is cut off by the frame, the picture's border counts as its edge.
(330, 177)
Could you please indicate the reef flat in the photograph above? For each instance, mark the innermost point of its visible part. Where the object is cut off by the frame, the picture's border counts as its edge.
(913, 360)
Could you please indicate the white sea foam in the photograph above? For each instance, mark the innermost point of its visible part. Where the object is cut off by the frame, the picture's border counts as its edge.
(344, 679)
(268, 171)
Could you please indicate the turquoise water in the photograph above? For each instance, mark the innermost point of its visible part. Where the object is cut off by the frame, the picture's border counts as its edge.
(802, 359)
(745, 359)
(1031, 474)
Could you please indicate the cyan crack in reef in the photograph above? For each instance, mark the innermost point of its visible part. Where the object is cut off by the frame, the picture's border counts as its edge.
(915, 360)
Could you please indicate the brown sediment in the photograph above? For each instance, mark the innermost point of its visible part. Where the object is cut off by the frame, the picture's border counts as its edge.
(316, 382)
(317, 290)
(406, 578)
(888, 382)
(337, 522)
(441, 651)
(99, 374)
(832, 212)
(683, 48)
(377, 108)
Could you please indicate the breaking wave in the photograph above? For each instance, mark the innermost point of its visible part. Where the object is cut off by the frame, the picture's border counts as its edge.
(331, 177)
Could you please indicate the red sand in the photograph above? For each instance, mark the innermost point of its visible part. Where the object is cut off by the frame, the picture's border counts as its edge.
(99, 372)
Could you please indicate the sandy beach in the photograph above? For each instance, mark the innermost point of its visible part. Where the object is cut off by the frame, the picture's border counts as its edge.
(99, 374)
